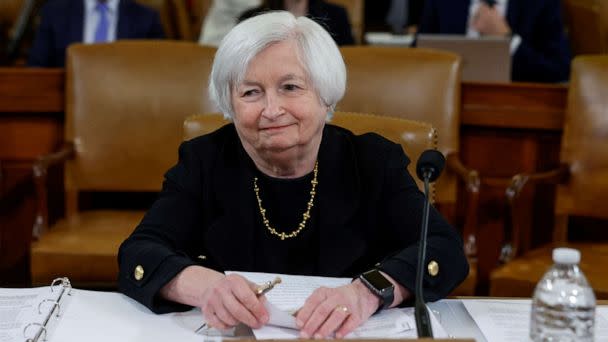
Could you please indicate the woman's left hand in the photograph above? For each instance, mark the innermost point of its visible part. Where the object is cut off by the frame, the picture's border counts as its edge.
(338, 310)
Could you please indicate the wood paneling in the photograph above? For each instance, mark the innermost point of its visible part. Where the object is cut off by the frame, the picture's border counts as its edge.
(31, 90)
(505, 129)
(31, 124)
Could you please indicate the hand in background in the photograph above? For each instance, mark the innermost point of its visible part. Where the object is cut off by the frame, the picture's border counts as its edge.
(338, 310)
(487, 21)
(231, 300)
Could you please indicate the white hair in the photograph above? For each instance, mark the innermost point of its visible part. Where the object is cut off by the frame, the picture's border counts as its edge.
(317, 51)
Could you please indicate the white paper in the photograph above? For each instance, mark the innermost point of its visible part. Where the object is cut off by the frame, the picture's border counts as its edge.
(388, 324)
(509, 320)
(291, 293)
(108, 316)
(278, 317)
(386, 38)
(293, 290)
(19, 307)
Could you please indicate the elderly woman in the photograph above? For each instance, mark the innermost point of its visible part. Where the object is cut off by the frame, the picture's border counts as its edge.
(281, 191)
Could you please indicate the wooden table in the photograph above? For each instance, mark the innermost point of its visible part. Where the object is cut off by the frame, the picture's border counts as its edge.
(505, 129)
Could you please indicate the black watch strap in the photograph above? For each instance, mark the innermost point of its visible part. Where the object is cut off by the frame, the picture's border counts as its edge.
(379, 286)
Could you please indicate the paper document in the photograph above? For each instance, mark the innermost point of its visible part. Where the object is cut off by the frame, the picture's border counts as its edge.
(19, 307)
(509, 320)
(293, 290)
(288, 296)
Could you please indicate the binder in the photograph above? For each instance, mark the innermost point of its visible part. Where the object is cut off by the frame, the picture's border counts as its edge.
(37, 332)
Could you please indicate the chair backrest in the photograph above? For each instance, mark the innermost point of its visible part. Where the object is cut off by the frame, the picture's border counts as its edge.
(587, 23)
(355, 10)
(416, 84)
(414, 136)
(125, 106)
(585, 140)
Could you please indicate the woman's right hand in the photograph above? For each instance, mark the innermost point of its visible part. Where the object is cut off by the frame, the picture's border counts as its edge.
(231, 300)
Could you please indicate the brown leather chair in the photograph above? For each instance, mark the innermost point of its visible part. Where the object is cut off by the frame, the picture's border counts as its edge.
(414, 136)
(173, 16)
(587, 23)
(582, 188)
(355, 10)
(424, 85)
(125, 107)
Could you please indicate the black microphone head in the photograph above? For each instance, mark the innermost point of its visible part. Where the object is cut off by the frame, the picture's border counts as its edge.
(430, 162)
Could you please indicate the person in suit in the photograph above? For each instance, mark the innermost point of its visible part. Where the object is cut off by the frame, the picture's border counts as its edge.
(278, 190)
(64, 22)
(333, 17)
(539, 48)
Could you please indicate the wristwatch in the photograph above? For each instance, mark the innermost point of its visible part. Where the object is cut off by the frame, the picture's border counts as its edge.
(379, 286)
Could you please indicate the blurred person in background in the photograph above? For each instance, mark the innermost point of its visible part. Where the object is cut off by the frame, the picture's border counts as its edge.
(221, 18)
(333, 18)
(539, 48)
(63, 22)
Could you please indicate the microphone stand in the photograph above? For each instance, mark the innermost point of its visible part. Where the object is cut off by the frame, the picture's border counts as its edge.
(421, 313)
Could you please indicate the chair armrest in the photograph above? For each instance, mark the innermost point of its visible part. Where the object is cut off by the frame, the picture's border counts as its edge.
(470, 177)
(514, 218)
(472, 183)
(40, 171)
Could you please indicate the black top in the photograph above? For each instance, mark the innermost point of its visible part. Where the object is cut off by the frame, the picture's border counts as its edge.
(285, 200)
(333, 18)
(368, 211)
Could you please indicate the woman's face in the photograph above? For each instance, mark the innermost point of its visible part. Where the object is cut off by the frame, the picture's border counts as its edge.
(276, 107)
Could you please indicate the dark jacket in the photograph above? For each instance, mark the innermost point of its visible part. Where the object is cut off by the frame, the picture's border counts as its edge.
(542, 56)
(333, 18)
(62, 23)
(369, 211)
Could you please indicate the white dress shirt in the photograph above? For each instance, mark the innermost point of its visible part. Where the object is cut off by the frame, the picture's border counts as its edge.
(501, 7)
(221, 18)
(91, 19)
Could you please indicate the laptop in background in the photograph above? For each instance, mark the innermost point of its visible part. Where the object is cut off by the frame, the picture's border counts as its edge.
(484, 59)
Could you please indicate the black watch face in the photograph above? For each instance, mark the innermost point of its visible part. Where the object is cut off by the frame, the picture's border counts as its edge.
(377, 280)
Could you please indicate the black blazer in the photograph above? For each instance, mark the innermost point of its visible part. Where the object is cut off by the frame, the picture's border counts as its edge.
(369, 209)
(542, 56)
(333, 18)
(62, 23)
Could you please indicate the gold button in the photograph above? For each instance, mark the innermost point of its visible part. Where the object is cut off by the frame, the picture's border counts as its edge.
(433, 268)
(139, 272)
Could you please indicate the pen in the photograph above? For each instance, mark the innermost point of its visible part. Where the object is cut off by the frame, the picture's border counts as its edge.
(259, 291)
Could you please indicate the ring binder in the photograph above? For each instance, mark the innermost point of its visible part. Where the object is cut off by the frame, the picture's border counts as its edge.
(64, 287)
(55, 303)
(41, 330)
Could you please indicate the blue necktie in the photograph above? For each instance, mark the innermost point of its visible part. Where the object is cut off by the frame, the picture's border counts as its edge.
(101, 33)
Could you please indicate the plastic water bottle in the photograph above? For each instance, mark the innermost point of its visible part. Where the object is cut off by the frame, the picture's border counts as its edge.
(563, 307)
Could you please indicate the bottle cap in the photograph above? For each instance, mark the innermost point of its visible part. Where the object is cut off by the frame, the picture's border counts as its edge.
(566, 256)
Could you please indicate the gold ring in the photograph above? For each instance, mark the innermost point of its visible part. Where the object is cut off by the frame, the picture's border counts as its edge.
(342, 308)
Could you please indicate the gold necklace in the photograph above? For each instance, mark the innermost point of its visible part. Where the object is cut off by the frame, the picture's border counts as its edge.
(305, 216)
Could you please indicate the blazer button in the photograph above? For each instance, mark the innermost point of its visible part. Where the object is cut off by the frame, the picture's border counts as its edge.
(433, 268)
(138, 274)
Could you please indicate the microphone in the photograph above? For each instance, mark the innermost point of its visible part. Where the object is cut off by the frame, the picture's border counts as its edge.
(490, 3)
(429, 167)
